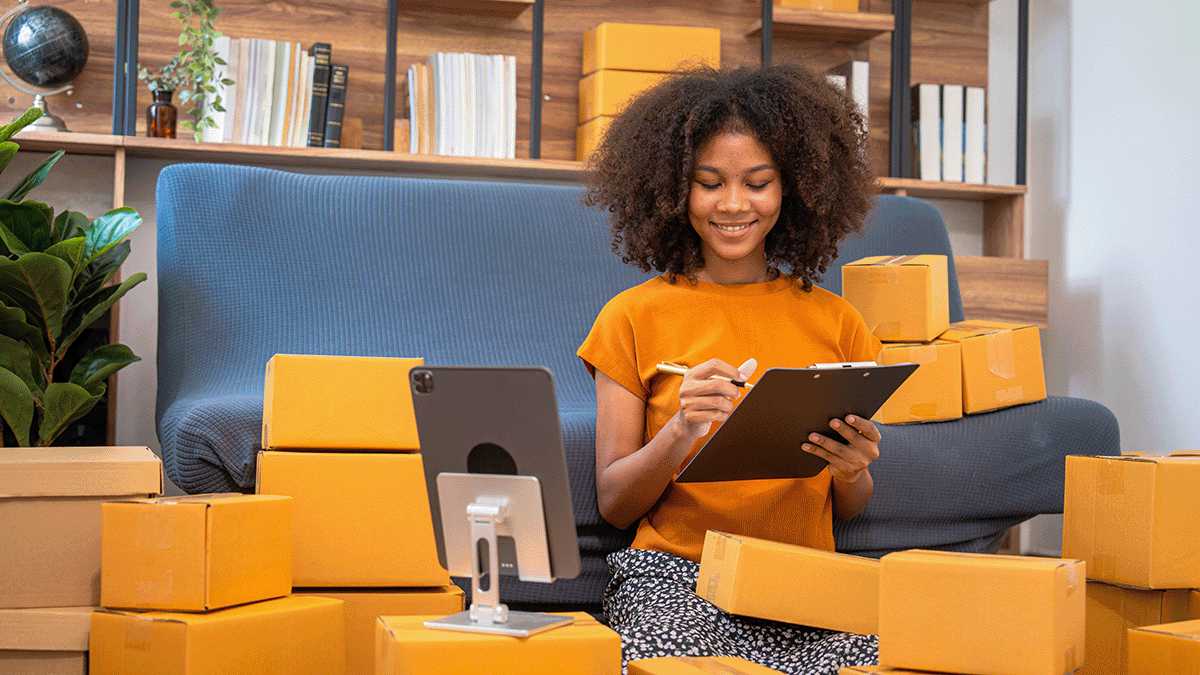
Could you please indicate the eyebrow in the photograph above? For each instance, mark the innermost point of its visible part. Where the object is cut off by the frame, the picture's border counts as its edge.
(752, 169)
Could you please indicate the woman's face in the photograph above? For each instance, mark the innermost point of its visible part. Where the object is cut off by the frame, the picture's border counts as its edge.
(734, 199)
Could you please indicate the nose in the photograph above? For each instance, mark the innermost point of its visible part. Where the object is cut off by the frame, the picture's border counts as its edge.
(733, 200)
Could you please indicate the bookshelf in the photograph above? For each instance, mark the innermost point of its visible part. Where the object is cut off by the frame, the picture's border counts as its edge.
(829, 26)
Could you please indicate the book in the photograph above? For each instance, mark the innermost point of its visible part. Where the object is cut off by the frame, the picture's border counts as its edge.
(279, 93)
(952, 133)
(335, 110)
(926, 131)
(223, 46)
(247, 68)
(510, 93)
(426, 107)
(321, 53)
(975, 144)
(264, 85)
(410, 114)
(300, 133)
(856, 75)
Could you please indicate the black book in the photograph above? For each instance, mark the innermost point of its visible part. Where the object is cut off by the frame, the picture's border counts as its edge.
(338, 76)
(321, 53)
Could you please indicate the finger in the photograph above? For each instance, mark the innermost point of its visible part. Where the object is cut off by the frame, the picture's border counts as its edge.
(828, 444)
(822, 453)
(713, 367)
(746, 370)
(699, 403)
(848, 432)
(705, 416)
(865, 427)
(710, 388)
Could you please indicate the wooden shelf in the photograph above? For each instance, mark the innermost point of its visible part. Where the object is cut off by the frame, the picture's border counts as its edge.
(942, 190)
(827, 26)
(501, 8)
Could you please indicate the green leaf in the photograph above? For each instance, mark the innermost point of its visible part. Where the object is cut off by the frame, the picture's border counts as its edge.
(28, 117)
(102, 362)
(8, 150)
(38, 283)
(99, 271)
(26, 225)
(17, 357)
(63, 403)
(35, 178)
(69, 251)
(104, 299)
(109, 230)
(69, 224)
(12, 324)
(16, 405)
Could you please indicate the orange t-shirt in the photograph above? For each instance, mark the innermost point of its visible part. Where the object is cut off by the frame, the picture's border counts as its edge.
(775, 322)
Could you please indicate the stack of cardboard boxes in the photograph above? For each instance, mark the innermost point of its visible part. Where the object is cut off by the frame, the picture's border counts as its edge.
(1134, 520)
(967, 367)
(50, 501)
(933, 611)
(201, 584)
(621, 60)
(340, 439)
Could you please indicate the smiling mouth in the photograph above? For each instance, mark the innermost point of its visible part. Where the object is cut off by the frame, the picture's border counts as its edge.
(732, 227)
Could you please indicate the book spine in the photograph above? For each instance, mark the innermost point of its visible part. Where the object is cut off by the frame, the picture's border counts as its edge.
(321, 53)
(338, 78)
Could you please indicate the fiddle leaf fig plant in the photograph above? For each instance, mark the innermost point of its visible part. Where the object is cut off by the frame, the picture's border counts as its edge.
(54, 284)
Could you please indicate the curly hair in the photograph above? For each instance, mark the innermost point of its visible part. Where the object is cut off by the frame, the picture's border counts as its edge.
(642, 170)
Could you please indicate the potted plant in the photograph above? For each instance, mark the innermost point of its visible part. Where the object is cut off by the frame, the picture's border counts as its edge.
(54, 274)
(191, 72)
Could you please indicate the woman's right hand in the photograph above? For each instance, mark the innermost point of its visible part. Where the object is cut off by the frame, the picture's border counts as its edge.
(704, 400)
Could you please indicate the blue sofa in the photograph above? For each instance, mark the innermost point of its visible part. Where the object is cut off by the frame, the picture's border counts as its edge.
(253, 261)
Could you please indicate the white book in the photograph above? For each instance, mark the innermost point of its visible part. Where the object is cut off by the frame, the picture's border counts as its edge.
(952, 133)
(216, 133)
(499, 106)
(436, 69)
(300, 133)
(836, 80)
(510, 85)
(414, 124)
(264, 88)
(483, 105)
(279, 93)
(466, 104)
(295, 91)
(926, 132)
(249, 94)
(974, 156)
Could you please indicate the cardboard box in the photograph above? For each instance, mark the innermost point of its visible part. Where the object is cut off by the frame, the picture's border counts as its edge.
(698, 665)
(976, 613)
(1001, 364)
(44, 641)
(903, 298)
(358, 403)
(1194, 605)
(821, 5)
(50, 518)
(649, 48)
(934, 392)
(363, 607)
(404, 646)
(588, 136)
(358, 519)
(856, 670)
(607, 92)
(1134, 519)
(1113, 610)
(831, 590)
(288, 636)
(195, 553)
(1166, 648)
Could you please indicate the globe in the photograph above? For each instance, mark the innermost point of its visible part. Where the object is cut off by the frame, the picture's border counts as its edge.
(45, 46)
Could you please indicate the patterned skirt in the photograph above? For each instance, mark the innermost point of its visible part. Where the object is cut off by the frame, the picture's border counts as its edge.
(652, 603)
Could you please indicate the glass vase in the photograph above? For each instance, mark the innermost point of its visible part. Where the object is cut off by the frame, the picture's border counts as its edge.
(161, 115)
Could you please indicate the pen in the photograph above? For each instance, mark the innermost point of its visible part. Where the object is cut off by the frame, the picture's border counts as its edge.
(676, 369)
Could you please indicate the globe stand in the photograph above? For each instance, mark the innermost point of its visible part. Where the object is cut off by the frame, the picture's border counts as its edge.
(48, 122)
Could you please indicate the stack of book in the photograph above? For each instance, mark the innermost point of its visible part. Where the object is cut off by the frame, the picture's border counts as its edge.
(949, 132)
(463, 105)
(282, 95)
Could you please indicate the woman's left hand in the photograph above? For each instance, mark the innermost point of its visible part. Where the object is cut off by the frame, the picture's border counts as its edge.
(847, 461)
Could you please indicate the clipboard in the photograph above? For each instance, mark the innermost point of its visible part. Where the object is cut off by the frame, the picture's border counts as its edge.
(762, 438)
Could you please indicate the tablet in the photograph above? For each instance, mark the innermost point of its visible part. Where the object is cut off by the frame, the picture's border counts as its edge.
(762, 438)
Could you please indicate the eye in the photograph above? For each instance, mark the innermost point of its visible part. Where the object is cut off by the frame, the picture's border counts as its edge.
(708, 186)
(758, 186)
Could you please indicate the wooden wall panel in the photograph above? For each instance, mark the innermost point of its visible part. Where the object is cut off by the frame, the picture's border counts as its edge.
(89, 107)
(949, 42)
(566, 21)
(424, 30)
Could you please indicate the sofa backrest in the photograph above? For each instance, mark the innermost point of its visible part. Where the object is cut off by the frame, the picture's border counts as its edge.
(253, 262)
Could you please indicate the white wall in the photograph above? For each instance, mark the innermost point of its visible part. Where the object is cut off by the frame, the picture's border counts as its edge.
(1113, 177)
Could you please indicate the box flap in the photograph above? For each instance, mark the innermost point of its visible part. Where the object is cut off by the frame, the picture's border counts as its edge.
(58, 629)
(984, 558)
(922, 260)
(1185, 453)
(264, 608)
(1183, 630)
(213, 498)
(79, 472)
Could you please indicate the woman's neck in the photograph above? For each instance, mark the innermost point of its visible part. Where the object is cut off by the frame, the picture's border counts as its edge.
(748, 270)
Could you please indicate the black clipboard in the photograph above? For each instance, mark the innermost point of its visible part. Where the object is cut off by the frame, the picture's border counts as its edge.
(762, 438)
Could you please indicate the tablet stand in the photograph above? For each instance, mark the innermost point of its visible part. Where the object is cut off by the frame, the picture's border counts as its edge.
(494, 505)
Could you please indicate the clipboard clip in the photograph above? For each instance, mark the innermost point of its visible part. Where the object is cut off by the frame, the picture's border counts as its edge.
(844, 364)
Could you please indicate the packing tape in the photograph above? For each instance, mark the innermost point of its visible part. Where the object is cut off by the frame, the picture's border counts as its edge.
(139, 634)
(714, 582)
(1001, 355)
(1103, 565)
(1071, 663)
(1010, 394)
(708, 665)
(923, 354)
(1110, 477)
(923, 410)
(894, 260)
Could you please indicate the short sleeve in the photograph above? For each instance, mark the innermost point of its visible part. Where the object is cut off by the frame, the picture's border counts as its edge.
(861, 345)
(611, 348)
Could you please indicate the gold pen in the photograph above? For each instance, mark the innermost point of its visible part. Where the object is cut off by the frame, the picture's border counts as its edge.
(676, 369)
